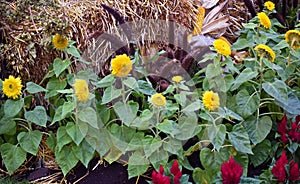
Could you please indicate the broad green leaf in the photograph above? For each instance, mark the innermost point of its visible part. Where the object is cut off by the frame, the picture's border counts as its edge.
(240, 139)
(137, 164)
(194, 106)
(66, 159)
(38, 116)
(58, 115)
(103, 112)
(142, 122)
(89, 116)
(258, 130)
(126, 112)
(73, 51)
(109, 94)
(135, 142)
(51, 141)
(188, 126)
(100, 140)
(67, 107)
(278, 90)
(146, 88)
(246, 104)
(217, 135)
(107, 81)
(53, 85)
(30, 141)
(180, 98)
(173, 146)
(113, 155)
(202, 176)
(7, 125)
(242, 43)
(62, 138)
(60, 65)
(131, 83)
(159, 157)
(65, 91)
(260, 153)
(84, 152)
(151, 145)
(212, 160)
(13, 156)
(13, 107)
(33, 88)
(121, 136)
(169, 127)
(248, 180)
(293, 105)
(74, 132)
(243, 160)
(246, 75)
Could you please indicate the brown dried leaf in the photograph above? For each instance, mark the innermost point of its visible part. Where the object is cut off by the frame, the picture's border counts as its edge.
(214, 13)
(215, 25)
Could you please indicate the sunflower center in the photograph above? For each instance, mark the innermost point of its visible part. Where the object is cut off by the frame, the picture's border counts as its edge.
(10, 86)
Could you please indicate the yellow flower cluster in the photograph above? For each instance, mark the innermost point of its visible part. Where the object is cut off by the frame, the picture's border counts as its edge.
(293, 38)
(264, 50)
(264, 20)
(12, 87)
(177, 78)
(211, 100)
(59, 42)
(158, 100)
(222, 47)
(81, 90)
(121, 65)
(269, 5)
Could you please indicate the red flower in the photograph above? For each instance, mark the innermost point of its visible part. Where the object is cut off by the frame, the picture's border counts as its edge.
(160, 178)
(231, 172)
(278, 169)
(175, 170)
(282, 129)
(294, 171)
(293, 133)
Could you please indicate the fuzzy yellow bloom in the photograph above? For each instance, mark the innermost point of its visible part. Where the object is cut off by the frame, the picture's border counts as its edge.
(121, 65)
(177, 78)
(222, 47)
(264, 20)
(12, 87)
(269, 5)
(211, 100)
(81, 90)
(158, 100)
(265, 50)
(59, 42)
(293, 38)
(199, 22)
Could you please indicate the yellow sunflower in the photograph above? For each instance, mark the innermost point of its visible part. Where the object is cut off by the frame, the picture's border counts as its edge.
(81, 90)
(269, 5)
(199, 21)
(264, 20)
(158, 100)
(12, 87)
(121, 65)
(265, 50)
(59, 42)
(211, 100)
(177, 78)
(222, 47)
(293, 38)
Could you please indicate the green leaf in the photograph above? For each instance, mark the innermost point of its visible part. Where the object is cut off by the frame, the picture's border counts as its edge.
(260, 153)
(202, 176)
(66, 159)
(51, 141)
(217, 135)
(74, 132)
(73, 51)
(30, 141)
(278, 90)
(103, 112)
(173, 146)
(62, 138)
(293, 105)
(137, 164)
(107, 81)
(241, 44)
(6, 125)
(38, 116)
(53, 85)
(60, 65)
(113, 155)
(142, 122)
(258, 130)
(110, 93)
(240, 139)
(188, 126)
(151, 145)
(58, 115)
(169, 127)
(84, 152)
(67, 107)
(246, 75)
(131, 83)
(246, 104)
(89, 116)
(33, 88)
(13, 107)
(126, 112)
(13, 156)
(212, 160)
(194, 106)
(146, 88)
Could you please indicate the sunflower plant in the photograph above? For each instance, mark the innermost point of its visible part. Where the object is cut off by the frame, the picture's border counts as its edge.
(244, 101)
